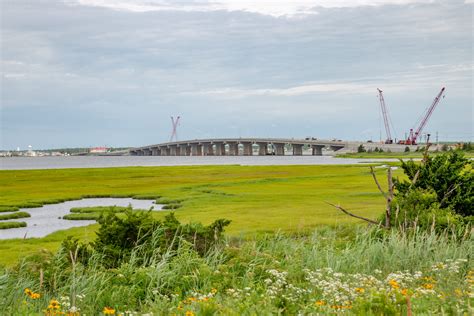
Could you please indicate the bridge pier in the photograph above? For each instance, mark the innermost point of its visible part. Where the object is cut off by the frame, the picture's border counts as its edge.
(279, 149)
(297, 149)
(147, 152)
(182, 150)
(248, 149)
(220, 149)
(208, 150)
(194, 150)
(317, 150)
(173, 150)
(233, 149)
(262, 149)
(155, 151)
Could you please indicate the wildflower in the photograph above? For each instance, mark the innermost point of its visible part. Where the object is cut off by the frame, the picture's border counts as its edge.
(458, 292)
(394, 284)
(35, 296)
(428, 286)
(214, 291)
(189, 313)
(54, 304)
(28, 292)
(404, 292)
(359, 290)
(320, 303)
(108, 311)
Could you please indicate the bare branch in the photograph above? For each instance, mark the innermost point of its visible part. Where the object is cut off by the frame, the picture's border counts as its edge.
(353, 215)
(447, 194)
(377, 181)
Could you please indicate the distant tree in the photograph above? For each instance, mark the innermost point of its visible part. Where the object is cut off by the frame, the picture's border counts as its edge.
(407, 149)
(361, 149)
(444, 147)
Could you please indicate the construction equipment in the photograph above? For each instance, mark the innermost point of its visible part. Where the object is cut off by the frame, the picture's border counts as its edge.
(389, 139)
(174, 132)
(413, 136)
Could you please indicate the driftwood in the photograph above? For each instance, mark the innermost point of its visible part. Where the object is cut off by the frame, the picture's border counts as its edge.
(354, 215)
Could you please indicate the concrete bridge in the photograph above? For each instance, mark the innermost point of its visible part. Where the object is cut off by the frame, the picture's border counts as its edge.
(241, 147)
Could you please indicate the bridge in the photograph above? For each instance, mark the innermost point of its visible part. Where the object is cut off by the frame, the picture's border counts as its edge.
(242, 147)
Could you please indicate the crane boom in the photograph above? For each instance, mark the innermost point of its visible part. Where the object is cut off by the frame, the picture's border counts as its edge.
(389, 139)
(414, 136)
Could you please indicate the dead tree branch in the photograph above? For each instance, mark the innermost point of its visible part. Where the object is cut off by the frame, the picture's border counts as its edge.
(353, 215)
(377, 181)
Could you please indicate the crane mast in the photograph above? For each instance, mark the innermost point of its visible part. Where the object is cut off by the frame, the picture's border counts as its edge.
(389, 139)
(414, 135)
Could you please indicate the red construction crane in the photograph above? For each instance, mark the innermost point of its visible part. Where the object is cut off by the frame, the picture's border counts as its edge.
(411, 140)
(389, 139)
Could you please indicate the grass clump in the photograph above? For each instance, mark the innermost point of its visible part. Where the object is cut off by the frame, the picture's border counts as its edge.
(14, 215)
(94, 212)
(82, 216)
(8, 209)
(8, 225)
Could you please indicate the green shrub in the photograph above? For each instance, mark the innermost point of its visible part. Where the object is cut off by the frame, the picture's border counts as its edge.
(450, 175)
(82, 216)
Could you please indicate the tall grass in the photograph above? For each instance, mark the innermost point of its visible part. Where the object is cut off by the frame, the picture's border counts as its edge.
(262, 275)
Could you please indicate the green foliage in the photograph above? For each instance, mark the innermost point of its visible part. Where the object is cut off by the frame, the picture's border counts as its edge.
(407, 149)
(361, 149)
(274, 274)
(119, 235)
(449, 175)
(8, 225)
(14, 215)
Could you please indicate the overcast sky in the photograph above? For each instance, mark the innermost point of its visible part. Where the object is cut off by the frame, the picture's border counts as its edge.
(111, 72)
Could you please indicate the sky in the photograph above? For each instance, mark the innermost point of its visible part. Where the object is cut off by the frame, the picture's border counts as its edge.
(81, 73)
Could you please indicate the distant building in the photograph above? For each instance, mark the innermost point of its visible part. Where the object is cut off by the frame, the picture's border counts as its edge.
(98, 150)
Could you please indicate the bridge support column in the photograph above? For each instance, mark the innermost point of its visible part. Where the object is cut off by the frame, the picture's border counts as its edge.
(173, 150)
(262, 149)
(297, 149)
(220, 149)
(208, 150)
(194, 149)
(147, 152)
(248, 149)
(317, 150)
(182, 149)
(233, 149)
(156, 151)
(279, 149)
(166, 151)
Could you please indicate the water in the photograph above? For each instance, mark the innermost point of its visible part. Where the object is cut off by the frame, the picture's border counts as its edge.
(48, 219)
(18, 163)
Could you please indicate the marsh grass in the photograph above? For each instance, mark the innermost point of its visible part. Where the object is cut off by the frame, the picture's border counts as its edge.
(14, 215)
(8, 225)
(8, 209)
(260, 275)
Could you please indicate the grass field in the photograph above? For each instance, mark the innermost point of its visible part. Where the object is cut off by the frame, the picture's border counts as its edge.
(256, 198)
(402, 155)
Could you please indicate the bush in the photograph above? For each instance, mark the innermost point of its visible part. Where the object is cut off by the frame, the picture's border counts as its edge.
(361, 149)
(118, 236)
(449, 175)
(407, 149)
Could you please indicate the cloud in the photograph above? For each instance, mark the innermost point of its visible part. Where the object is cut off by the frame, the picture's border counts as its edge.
(422, 76)
(273, 8)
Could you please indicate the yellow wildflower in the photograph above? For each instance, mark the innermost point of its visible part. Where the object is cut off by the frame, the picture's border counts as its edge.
(108, 311)
(320, 303)
(404, 292)
(359, 290)
(458, 292)
(214, 291)
(35, 296)
(189, 313)
(28, 292)
(428, 286)
(53, 304)
(394, 284)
